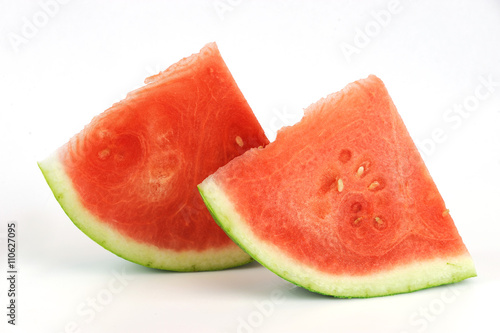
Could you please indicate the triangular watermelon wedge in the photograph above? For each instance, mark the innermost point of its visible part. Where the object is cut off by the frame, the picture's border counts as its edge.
(341, 203)
(128, 179)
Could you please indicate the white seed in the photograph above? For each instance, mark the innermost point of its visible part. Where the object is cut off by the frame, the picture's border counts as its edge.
(379, 220)
(373, 185)
(356, 221)
(361, 169)
(103, 154)
(340, 185)
(446, 212)
(239, 141)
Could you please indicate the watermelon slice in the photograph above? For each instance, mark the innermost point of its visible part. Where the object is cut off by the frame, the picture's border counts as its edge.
(128, 179)
(341, 203)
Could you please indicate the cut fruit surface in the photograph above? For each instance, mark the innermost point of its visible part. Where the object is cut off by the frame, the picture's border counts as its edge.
(341, 203)
(128, 179)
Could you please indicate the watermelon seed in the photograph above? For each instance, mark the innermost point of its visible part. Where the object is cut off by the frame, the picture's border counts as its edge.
(356, 207)
(360, 171)
(239, 141)
(373, 185)
(379, 223)
(340, 185)
(363, 169)
(345, 155)
(356, 221)
(103, 134)
(103, 154)
(446, 212)
(119, 158)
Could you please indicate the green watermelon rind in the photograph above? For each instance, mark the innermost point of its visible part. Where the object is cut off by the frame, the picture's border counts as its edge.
(126, 247)
(405, 279)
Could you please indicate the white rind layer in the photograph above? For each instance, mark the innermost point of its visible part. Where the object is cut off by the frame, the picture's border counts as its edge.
(126, 247)
(402, 279)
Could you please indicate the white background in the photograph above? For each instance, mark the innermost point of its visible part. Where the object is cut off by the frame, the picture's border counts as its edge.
(63, 63)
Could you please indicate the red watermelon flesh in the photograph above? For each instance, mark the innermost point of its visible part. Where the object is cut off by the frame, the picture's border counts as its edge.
(342, 203)
(128, 179)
